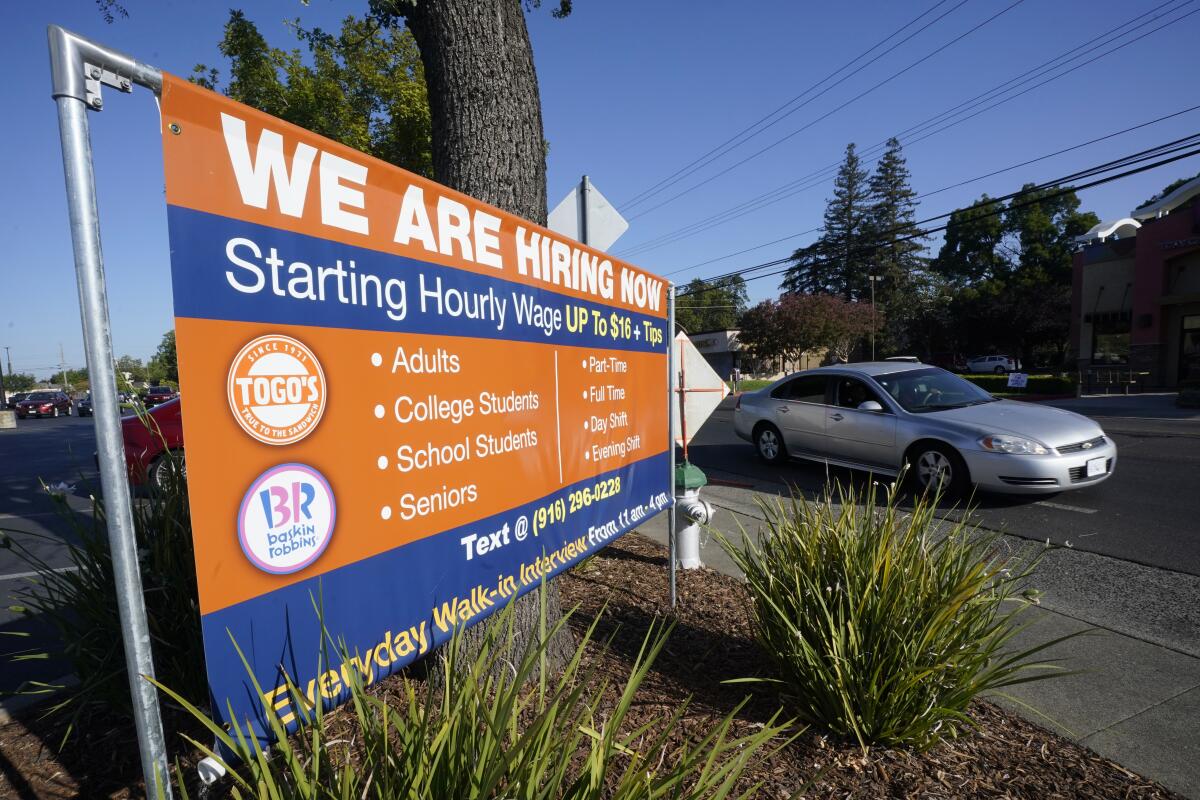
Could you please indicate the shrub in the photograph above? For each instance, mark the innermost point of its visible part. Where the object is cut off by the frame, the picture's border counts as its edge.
(501, 728)
(80, 603)
(882, 627)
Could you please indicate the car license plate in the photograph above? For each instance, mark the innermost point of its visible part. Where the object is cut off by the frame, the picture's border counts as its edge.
(1095, 466)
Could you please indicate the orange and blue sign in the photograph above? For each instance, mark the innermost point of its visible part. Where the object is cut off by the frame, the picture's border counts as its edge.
(401, 406)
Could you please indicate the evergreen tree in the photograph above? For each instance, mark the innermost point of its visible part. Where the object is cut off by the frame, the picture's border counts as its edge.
(896, 252)
(839, 261)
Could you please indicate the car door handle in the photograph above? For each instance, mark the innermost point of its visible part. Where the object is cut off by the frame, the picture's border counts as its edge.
(836, 417)
(782, 409)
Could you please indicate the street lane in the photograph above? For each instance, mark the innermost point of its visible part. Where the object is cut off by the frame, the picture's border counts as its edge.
(56, 452)
(1148, 512)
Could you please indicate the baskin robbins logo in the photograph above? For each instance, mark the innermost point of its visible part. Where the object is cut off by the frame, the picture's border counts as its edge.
(286, 518)
(277, 389)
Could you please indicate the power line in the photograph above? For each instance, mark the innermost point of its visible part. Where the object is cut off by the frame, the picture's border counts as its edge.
(732, 142)
(948, 187)
(818, 177)
(993, 207)
(831, 112)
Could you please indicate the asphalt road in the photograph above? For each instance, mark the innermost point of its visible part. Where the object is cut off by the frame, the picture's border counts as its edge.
(56, 451)
(1148, 512)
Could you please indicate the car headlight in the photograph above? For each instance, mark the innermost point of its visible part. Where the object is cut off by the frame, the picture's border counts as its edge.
(1017, 445)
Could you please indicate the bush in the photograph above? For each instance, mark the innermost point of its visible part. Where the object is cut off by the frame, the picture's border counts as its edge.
(80, 604)
(880, 626)
(501, 728)
(1038, 384)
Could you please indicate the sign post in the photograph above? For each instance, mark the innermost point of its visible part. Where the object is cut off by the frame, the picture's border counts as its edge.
(78, 69)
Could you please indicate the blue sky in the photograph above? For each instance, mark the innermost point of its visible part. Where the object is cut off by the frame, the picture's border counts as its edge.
(631, 92)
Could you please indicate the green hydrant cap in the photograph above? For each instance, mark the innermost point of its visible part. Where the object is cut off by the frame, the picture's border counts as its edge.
(689, 476)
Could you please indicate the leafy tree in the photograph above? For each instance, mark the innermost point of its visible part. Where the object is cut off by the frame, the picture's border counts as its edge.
(839, 261)
(970, 250)
(795, 324)
(19, 382)
(75, 378)
(364, 87)
(164, 365)
(704, 306)
(132, 366)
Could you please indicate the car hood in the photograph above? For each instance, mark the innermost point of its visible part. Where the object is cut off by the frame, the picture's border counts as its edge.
(1051, 426)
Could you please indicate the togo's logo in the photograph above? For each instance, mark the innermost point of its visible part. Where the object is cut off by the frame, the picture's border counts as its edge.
(277, 389)
(286, 518)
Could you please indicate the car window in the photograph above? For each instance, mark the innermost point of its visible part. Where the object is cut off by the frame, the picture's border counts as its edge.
(805, 389)
(851, 393)
(924, 390)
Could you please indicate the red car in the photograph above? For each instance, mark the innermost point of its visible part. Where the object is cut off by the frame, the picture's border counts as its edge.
(156, 395)
(50, 403)
(149, 440)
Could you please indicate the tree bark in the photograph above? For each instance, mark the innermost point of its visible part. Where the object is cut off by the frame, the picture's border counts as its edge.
(488, 143)
(485, 108)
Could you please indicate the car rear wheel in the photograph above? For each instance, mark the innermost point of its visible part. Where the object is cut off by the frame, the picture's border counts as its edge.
(938, 468)
(161, 469)
(999, 370)
(768, 441)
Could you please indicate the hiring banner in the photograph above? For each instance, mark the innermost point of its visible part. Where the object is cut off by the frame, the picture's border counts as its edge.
(400, 405)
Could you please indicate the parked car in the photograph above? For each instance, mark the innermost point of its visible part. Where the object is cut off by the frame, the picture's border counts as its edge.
(880, 416)
(84, 406)
(157, 395)
(48, 403)
(999, 365)
(148, 441)
(13, 399)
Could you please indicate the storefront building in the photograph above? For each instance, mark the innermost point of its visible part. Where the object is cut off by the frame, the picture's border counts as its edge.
(1135, 300)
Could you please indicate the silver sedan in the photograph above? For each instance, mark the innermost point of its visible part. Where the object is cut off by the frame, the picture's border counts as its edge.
(880, 416)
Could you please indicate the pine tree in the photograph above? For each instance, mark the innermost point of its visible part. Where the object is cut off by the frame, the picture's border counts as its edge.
(896, 245)
(838, 262)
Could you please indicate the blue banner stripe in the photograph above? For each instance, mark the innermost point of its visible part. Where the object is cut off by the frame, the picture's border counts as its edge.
(381, 607)
(204, 275)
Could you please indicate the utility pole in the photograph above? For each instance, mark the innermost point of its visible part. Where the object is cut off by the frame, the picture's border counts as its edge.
(872, 278)
(62, 365)
(8, 358)
(3, 394)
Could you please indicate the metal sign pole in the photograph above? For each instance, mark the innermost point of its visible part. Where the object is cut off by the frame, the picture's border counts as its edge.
(583, 209)
(79, 68)
(671, 433)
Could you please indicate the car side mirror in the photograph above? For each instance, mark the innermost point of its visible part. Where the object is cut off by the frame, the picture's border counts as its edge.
(869, 405)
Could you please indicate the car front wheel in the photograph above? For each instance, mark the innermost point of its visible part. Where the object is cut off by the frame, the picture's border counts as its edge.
(939, 469)
(768, 441)
(160, 472)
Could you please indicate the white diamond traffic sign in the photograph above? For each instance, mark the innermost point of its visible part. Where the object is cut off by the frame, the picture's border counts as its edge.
(603, 224)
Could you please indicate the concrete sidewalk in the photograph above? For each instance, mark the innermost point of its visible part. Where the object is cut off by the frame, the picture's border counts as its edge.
(1137, 700)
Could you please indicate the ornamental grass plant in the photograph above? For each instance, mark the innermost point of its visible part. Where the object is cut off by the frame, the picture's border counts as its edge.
(884, 623)
(500, 728)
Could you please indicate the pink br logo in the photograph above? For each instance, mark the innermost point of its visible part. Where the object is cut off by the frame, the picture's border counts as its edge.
(286, 518)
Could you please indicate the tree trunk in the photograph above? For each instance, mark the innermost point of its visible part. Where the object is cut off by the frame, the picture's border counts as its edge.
(486, 117)
(485, 109)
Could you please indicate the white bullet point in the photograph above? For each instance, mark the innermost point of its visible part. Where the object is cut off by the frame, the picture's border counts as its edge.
(585, 426)
(378, 412)
(587, 456)
(386, 512)
(376, 359)
(583, 363)
(382, 462)
(585, 394)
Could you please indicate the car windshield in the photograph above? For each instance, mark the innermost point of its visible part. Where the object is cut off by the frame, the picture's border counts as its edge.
(923, 390)
(41, 396)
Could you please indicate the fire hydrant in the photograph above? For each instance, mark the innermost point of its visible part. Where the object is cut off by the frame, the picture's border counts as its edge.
(691, 513)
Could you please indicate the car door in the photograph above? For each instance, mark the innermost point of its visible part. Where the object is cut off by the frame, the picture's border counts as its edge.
(798, 407)
(866, 437)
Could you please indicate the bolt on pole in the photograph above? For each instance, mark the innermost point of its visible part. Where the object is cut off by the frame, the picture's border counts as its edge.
(74, 91)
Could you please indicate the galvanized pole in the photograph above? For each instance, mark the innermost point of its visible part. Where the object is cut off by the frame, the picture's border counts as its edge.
(671, 432)
(69, 57)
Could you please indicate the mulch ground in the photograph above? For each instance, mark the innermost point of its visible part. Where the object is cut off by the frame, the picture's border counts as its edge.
(711, 643)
